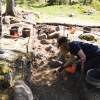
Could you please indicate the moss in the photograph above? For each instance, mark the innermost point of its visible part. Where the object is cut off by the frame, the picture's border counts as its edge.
(27, 55)
(4, 82)
(1, 77)
(5, 69)
(8, 94)
(17, 58)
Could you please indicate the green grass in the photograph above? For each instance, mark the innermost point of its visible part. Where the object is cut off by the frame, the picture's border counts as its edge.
(62, 10)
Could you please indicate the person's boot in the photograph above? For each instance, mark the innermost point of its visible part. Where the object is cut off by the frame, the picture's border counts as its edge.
(71, 69)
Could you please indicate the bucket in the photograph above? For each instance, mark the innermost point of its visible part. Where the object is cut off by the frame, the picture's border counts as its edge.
(93, 79)
(86, 29)
(26, 32)
(13, 30)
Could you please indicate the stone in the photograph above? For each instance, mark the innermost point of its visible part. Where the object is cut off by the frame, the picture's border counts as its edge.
(42, 36)
(8, 76)
(6, 20)
(40, 55)
(55, 34)
(9, 55)
(22, 92)
(55, 63)
(48, 48)
(44, 41)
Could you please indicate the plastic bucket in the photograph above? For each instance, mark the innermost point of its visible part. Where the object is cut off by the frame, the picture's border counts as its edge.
(86, 29)
(93, 79)
(13, 30)
(26, 32)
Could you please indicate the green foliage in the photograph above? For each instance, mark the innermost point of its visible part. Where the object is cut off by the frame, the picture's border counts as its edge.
(63, 10)
(58, 2)
(96, 5)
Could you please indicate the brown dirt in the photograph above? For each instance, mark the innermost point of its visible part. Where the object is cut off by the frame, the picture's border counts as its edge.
(64, 86)
(48, 86)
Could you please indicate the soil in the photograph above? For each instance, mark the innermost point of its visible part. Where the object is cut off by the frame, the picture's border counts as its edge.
(47, 85)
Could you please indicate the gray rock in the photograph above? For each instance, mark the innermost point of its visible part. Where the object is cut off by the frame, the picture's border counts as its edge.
(42, 36)
(71, 15)
(15, 21)
(48, 48)
(40, 55)
(6, 20)
(55, 63)
(58, 28)
(44, 41)
(8, 76)
(1, 51)
(22, 92)
(9, 54)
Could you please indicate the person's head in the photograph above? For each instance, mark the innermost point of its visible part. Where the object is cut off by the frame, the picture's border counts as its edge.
(63, 43)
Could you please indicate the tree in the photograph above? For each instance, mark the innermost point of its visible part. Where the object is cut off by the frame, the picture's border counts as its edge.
(69, 2)
(10, 8)
(52, 2)
(84, 2)
(91, 1)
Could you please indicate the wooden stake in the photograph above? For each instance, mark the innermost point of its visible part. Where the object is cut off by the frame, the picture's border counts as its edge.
(33, 29)
(22, 68)
(27, 48)
(82, 68)
(29, 38)
(63, 31)
(67, 35)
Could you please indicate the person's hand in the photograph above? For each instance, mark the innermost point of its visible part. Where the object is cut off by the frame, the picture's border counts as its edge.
(60, 69)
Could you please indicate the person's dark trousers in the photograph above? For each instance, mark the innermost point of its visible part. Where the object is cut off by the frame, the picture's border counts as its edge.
(90, 64)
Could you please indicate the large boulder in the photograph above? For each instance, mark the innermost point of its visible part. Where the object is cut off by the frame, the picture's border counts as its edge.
(55, 63)
(22, 92)
(6, 20)
(42, 36)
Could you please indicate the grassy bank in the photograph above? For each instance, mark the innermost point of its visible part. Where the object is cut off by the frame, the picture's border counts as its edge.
(63, 10)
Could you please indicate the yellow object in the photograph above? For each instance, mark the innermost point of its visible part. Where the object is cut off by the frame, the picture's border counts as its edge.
(88, 37)
(5, 69)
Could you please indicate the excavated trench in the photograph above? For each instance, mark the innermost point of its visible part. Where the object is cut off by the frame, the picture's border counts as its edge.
(45, 84)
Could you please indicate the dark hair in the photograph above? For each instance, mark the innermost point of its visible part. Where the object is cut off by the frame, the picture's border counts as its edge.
(62, 40)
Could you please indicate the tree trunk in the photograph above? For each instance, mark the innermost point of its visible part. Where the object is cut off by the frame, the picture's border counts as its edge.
(84, 2)
(10, 8)
(69, 2)
(91, 1)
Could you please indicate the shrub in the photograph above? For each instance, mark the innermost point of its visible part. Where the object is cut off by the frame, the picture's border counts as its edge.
(96, 5)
